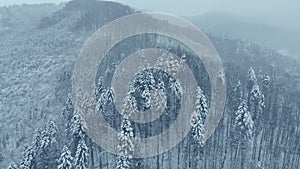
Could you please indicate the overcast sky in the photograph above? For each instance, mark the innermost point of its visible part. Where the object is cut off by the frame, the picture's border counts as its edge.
(196, 7)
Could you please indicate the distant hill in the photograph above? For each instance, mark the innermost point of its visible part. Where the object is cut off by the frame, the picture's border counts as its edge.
(20, 17)
(85, 15)
(267, 31)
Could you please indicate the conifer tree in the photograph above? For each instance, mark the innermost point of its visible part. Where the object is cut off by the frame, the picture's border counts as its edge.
(255, 98)
(13, 165)
(126, 135)
(66, 159)
(68, 110)
(238, 95)
(28, 158)
(47, 153)
(76, 126)
(199, 117)
(81, 156)
(126, 145)
(244, 130)
(244, 123)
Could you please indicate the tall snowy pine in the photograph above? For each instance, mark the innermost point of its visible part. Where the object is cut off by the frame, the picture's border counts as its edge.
(126, 135)
(199, 117)
(27, 161)
(238, 95)
(76, 126)
(68, 112)
(81, 156)
(47, 154)
(126, 145)
(66, 159)
(244, 123)
(244, 128)
(255, 98)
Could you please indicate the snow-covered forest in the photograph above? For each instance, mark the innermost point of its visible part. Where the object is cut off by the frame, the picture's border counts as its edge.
(40, 129)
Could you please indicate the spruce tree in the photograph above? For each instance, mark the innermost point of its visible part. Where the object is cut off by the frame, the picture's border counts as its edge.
(255, 98)
(76, 126)
(126, 145)
(243, 123)
(81, 156)
(68, 111)
(66, 159)
(28, 158)
(126, 135)
(244, 130)
(47, 153)
(199, 117)
(238, 95)
(13, 165)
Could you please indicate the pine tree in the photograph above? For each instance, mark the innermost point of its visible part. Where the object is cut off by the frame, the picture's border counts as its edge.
(266, 90)
(13, 165)
(81, 156)
(146, 96)
(237, 100)
(28, 158)
(76, 126)
(46, 154)
(244, 129)
(266, 83)
(48, 136)
(110, 95)
(159, 100)
(251, 79)
(67, 115)
(123, 163)
(100, 87)
(68, 107)
(256, 103)
(78, 143)
(106, 98)
(126, 135)
(143, 84)
(168, 63)
(175, 87)
(68, 110)
(255, 98)
(243, 123)
(126, 145)
(256, 107)
(43, 150)
(65, 160)
(129, 106)
(199, 117)
(238, 95)
(36, 143)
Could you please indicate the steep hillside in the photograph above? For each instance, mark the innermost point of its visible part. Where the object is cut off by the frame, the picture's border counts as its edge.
(36, 68)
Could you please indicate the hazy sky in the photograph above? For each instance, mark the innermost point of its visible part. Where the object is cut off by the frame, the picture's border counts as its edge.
(196, 7)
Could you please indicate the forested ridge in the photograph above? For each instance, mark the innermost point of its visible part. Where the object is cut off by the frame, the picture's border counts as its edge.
(39, 127)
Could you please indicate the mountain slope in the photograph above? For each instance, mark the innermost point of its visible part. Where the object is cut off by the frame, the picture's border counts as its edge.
(36, 68)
